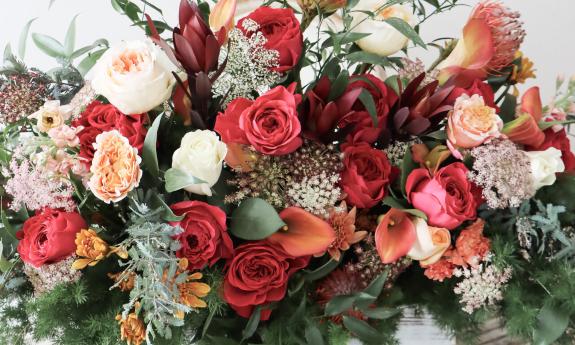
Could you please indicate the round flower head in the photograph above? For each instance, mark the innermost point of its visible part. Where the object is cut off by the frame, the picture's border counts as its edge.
(115, 168)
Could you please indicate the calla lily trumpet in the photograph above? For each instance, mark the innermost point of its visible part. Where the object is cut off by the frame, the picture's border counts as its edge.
(525, 128)
(304, 235)
(395, 235)
(222, 19)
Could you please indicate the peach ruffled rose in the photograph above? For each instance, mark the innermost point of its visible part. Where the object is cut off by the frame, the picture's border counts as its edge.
(115, 168)
(471, 123)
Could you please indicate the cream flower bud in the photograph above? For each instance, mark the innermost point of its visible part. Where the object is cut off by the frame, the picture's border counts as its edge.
(134, 76)
(544, 166)
(201, 154)
(51, 115)
(430, 242)
(384, 39)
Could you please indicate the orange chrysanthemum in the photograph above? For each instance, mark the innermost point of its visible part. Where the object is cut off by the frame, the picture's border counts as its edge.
(343, 223)
(125, 282)
(115, 168)
(132, 329)
(90, 247)
(471, 245)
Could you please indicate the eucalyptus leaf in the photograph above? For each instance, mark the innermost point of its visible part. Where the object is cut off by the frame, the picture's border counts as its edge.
(70, 40)
(49, 45)
(361, 329)
(381, 313)
(177, 179)
(551, 324)
(24, 38)
(339, 304)
(406, 29)
(255, 219)
(149, 154)
(89, 61)
(313, 336)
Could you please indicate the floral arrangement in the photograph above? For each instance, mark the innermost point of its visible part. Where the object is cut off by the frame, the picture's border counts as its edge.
(284, 173)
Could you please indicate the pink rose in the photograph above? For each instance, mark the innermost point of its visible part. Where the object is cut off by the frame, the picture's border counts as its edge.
(448, 198)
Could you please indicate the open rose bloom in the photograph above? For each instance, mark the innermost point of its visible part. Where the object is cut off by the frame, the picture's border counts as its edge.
(285, 172)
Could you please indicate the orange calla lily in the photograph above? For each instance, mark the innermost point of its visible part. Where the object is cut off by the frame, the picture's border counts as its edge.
(395, 235)
(471, 56)
(182, 103)
(305, 234)
(222, 19)
(525, 128)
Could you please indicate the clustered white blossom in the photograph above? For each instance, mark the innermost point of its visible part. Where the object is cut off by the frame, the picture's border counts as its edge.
(524, 229)
(315, 194)
(481, 285)
(503, 172)
(46, 277)
(396, 150)
(249, 65)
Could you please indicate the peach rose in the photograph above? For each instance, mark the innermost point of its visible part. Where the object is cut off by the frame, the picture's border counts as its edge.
(115, 168)
(430, 244)
(471, 123)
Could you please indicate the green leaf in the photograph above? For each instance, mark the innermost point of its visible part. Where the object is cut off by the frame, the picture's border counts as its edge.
(372, 292)
(255, 219)
(394, 203)
(8, 52)
(543, 125)
(406, 29)
(8, 233)
(339, 85)
(339, 304)
(51, 3)
(49, 45)
(367, 99)
(149, 154)
(86, 49)
(313, 336)
(362, 329)
(252, 324)
(365, 57)
(177, 179)
(407, 166)
(167, 214)
(552, 322)
(70, 40)
(381, 313)
(321, 271)
(508, 108)
(24, 38)
(89, 61)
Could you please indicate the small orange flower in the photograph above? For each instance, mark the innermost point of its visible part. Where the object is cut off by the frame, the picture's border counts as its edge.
(524, 71)
(132, 329)
(343, 223)
(125, 282)
(90, 247)
(115, 168)
(190, 290)
(471, 245)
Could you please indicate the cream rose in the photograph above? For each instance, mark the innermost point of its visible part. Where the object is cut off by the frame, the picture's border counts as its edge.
(134, 76)
(201, 154)
(544, 166)
(471, 123)
(384, 39)
(51, 115)
(430, 243)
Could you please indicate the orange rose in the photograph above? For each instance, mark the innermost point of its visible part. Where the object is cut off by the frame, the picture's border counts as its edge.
(115, 168)
(471, 123)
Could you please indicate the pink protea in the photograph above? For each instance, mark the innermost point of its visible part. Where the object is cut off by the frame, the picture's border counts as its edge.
(506, 29)
(491, 37)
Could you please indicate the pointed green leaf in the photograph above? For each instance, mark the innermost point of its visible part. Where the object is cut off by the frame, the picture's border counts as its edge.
(362, 329)
(407, 166)
(49, 45)
(552, 322)
(380, 313)
(177, 179)
(339, 304)
(255, 219)
(252, 324)
(70, 40)
(321, 271)
(406, 29)
(313, 336)
(149, 154)
(367, 99)
(339, 85)
(24, 38)
(89, 61)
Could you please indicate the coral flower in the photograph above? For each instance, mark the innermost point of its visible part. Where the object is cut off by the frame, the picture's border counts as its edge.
(115, 167)
(471, 245)
(343, 223)
(91, 248)
(491, 38)
(132, 329)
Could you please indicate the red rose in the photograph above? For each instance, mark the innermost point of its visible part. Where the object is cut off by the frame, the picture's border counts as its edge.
(48, 236)
(281, 29)
(258, 275)
(99, 117)
(323, 116)
(205, 239)
(560, 141)
(448, 198)
(270, 123)
(366, 175)
(477, 88)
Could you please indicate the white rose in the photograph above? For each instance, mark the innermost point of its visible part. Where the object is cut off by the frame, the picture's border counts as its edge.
(135, 76)
(430, 243)
(51, 115)
(384, 39)
(544, 166)
(201, 154)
